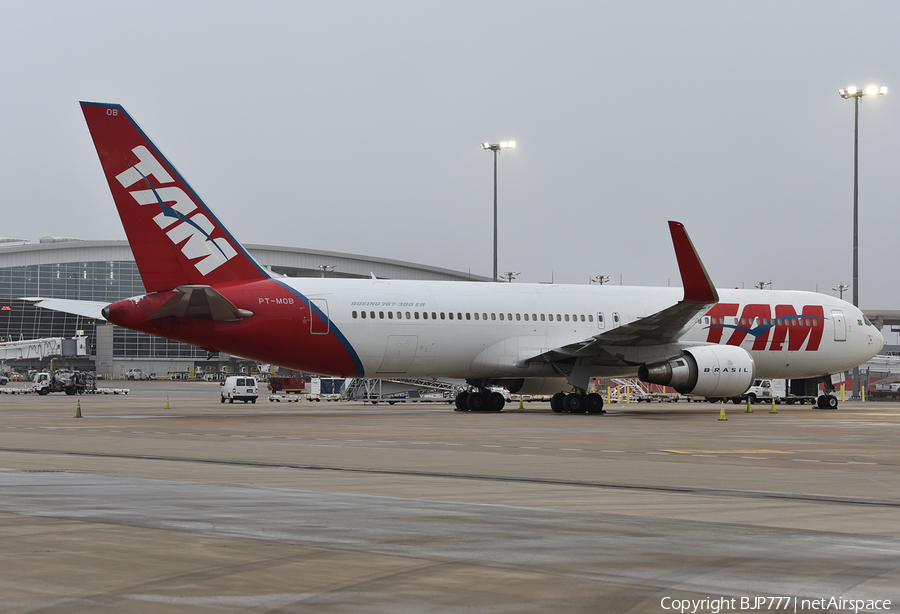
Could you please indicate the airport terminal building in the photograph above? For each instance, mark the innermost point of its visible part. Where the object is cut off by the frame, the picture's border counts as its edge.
(70, 268)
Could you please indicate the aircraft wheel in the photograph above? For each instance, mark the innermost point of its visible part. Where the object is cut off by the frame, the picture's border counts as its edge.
(574, 403)
(556, 402)
(476, 401)
(593, 403)
(495, 402)
(222, 399)
(828, 401)
(460, 402)
(231, 400)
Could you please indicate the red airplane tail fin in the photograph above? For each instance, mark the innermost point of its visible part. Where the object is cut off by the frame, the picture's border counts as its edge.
(175, 238)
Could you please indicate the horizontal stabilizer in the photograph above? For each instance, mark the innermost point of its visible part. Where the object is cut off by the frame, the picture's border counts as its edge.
(87, 309)
(200, 303)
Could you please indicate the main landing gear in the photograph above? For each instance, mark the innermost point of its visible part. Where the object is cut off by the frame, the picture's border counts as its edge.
(480, 400)
(577, 403)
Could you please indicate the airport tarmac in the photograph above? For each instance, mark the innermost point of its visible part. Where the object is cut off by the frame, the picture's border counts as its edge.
(332, 507)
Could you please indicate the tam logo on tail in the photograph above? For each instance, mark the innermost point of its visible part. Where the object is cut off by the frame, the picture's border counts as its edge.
(196, 229)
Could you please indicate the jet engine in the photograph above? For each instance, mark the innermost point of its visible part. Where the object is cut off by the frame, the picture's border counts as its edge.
(705, 370)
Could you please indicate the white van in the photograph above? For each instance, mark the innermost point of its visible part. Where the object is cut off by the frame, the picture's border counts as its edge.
(239, 388)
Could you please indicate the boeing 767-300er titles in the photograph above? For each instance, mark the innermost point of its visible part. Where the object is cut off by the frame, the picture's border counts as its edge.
(203, 288)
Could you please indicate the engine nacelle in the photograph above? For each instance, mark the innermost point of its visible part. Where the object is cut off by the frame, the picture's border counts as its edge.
(705, 370)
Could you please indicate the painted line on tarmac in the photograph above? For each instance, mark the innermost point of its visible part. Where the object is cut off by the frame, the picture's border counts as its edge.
(713, 492)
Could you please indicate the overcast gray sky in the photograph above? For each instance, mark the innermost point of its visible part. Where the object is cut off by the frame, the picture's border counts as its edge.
(355, 126)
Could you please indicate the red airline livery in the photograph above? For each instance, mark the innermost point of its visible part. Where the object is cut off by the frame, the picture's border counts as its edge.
(203, 288)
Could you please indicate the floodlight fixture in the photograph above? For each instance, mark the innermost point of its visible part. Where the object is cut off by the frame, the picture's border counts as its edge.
(855, 92)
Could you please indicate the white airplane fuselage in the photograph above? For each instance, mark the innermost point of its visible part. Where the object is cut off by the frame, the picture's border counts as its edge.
(479, 330)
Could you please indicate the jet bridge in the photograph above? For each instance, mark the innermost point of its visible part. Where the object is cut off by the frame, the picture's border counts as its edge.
(37, 349)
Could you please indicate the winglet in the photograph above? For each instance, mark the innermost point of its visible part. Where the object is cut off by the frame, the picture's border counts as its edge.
(698, 288)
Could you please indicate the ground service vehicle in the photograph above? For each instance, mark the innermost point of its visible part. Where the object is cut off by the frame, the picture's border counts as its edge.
(68, 382)
(239, 388)
(287, 384)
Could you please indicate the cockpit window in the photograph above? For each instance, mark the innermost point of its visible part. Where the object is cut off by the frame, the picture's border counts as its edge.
(866, 320)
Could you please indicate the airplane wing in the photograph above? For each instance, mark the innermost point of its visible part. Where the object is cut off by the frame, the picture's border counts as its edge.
(661, 328)
(88, 309)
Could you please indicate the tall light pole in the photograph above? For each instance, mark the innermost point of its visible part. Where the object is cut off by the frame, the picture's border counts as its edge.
(856, 95)
(840, 288)
(496, 149)
(600, 279)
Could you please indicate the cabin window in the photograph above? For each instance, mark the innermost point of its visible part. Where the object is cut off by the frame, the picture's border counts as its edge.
(815, 322)
(501, 316)
(534, 317)
(567, 317)
(416, 315)
(476, 315)
(458, 316)
(390, 315)
(526, 317)
(590, 317)
(450, 314)
(362, 313)
(484, 316)
(434, 316)
(493, 316)
(354, 315)
(380, 315)
(518, 317)
(615, 318)
(469, 315)
(442, 315)
(559, 318)
(542, 317)
(509, 317)
(424, 315)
